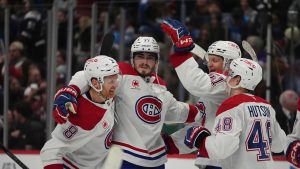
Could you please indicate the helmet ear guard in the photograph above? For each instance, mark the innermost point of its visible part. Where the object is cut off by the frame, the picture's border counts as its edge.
(100, 67)
(249, 71)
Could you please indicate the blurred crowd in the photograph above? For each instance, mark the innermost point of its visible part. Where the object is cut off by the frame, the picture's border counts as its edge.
(207, 20)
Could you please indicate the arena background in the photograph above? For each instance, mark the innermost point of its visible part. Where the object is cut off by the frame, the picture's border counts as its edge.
(52, 39)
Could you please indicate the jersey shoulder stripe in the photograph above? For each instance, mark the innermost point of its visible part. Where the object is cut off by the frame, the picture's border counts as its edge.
(88, 114)
(237, 100)
(127, 69)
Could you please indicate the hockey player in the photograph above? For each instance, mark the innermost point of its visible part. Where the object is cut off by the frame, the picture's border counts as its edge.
(142, 106)
(245, 129)
(84, 140)
(293, 139)
(211, 89)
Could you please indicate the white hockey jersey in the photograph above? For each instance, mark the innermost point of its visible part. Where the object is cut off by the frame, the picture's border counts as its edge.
(142, 106)
(245, 132)
(84, 140)
(211, 89)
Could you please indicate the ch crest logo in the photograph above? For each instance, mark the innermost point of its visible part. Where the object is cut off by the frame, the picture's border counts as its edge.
(148, 109)
(135, 84)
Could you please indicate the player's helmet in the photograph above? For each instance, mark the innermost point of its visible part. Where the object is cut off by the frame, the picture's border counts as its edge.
(226, 49)
(249, 71)
(100, 67)
(145, 44)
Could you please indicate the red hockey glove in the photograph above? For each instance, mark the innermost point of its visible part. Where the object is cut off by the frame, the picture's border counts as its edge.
(195, 136)
(293, 153)
(179, 34)
(64, 102)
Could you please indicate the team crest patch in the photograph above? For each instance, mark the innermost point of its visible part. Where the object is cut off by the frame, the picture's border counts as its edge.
(148, 109)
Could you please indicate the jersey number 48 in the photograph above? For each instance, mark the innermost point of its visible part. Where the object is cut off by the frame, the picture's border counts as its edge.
(256, 140)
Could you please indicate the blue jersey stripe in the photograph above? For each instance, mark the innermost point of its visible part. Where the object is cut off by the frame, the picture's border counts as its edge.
(145, 157)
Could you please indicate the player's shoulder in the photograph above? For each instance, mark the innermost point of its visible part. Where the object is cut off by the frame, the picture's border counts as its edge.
(88, 114)
(217, 74)
(127, 69)
(159, 80)
(216, 77)
(237, 100)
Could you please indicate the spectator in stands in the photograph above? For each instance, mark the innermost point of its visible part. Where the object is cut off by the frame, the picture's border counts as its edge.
(62, 29)
(33, 36)
(24, 132)
(249, 13)
(16, 91)
(200, 15)
(18, 63)
(217, 30)
(61, 68)
(82, 41)
(286, 116)
(35, 91)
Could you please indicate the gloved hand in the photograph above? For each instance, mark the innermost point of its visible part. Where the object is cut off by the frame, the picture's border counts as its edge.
(195, 136)
(179, 34)
(64, 103)
(293, 153)
(201, 116)
(170, 145)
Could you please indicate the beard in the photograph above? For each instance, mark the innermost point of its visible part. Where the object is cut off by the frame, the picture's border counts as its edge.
(144, 70)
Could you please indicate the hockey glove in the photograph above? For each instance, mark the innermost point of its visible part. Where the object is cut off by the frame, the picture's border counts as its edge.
(293, 153)
(64, 103)
(179, 34)
(195, 136)
(201, 116)
(170, 145)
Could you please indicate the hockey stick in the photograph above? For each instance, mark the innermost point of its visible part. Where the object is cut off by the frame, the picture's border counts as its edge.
(248, 48)
(13, 157)
(114, 158)
(107, 44)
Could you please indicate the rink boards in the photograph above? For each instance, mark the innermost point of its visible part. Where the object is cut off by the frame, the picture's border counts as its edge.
(33, 161)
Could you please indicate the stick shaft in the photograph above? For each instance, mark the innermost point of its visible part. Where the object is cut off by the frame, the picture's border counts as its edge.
(13, 157)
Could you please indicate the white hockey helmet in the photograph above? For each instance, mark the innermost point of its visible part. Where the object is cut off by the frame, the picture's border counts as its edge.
(249, 71)
(100, 67)
(145, 44)
(226, 49)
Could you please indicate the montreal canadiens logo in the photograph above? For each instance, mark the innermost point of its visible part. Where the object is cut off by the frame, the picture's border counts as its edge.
(108, 140)
(148, 109)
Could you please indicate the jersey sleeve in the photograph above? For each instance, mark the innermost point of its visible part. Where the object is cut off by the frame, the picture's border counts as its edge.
(194, 79)
(226, 138)
(66, 138)
(278, 137)
(180, 112)
(295, 135)
(79, 80)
